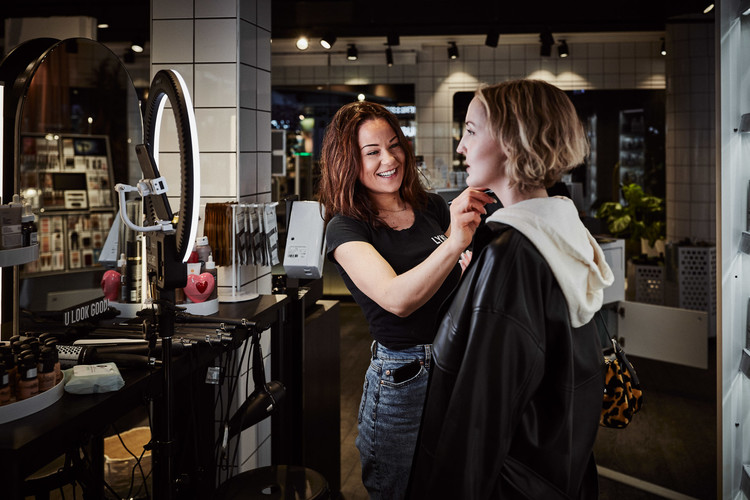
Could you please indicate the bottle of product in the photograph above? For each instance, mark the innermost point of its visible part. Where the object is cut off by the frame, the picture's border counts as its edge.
(4, 385)
(15, 339)
(122, 267)
(9, 359)
(56, 356)
(28, 226)
(12, 236)
(134, 271)
(46, 369)
(211, 269)
(43, 337)
(36, 346)
(28, 383)
(204, 250)
(193, 258)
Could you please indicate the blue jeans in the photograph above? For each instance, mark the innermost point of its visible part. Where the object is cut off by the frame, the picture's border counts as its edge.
(389, 417)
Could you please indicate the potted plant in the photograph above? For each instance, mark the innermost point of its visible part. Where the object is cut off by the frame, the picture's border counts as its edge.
(641, 217)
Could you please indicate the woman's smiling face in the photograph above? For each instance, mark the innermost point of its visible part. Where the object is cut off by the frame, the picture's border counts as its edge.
(382, 157)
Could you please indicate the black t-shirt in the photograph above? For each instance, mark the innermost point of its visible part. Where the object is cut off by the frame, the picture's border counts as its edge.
(403, 250)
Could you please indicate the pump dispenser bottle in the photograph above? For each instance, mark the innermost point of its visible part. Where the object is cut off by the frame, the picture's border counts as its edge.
(28, 226)
(211, 269)
(204, 250)
(122, 267)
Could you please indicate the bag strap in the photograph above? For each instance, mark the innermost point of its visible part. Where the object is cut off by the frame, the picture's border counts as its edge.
(620, 352)
(605, 338)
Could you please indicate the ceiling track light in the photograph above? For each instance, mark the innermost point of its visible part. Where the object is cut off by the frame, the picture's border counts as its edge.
(302, 43)
(452, 51)
(327, 41)
(562, 49)
(389, 57)
(663, 50)
(547, 41)
(351, 52)
(492, 37)
(137, 46)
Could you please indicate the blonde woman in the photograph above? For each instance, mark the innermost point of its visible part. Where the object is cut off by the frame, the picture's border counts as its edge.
(516, 387)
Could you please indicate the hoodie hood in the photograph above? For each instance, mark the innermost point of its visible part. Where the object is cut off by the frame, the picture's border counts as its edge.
(576, 259)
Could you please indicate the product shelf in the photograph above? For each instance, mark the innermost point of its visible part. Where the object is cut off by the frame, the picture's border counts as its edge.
(18, 256)
(25, 407)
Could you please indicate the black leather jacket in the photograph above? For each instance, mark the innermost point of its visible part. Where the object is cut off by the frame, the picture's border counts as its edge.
(515, 393)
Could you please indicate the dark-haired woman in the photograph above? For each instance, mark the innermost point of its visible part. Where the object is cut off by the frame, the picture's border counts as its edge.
(397, 249)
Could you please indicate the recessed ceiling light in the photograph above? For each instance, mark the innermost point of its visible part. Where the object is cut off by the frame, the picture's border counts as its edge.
(302, 43)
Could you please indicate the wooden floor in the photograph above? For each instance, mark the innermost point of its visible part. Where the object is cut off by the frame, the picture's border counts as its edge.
(355, 358)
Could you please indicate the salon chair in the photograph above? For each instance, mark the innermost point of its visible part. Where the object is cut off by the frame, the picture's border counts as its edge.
(275, 481)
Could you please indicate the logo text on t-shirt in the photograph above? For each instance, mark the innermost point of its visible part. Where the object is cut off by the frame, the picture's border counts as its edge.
(438, 239)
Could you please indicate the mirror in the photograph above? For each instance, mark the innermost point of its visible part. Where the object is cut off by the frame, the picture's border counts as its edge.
(74, 133)
(626, 130)
(300, 115)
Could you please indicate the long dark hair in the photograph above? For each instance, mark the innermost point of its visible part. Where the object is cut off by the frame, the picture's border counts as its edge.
(340, 191)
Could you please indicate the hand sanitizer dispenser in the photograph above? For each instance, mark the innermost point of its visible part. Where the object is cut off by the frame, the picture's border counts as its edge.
(305, 241)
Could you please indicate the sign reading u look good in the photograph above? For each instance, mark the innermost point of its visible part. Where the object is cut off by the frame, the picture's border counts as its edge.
(86, 311)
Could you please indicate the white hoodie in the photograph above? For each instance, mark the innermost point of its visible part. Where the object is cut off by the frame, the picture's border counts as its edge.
(576, 259)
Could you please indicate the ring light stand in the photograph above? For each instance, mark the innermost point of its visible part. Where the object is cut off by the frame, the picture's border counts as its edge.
(170, 238)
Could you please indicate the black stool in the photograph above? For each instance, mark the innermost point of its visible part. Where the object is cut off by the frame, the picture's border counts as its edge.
(275, 482)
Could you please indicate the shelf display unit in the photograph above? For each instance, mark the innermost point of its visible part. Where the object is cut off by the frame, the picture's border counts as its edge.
(68, 180)
(632, 147)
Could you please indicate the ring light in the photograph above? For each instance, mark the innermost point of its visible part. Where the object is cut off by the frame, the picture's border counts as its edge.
(173, 237)
(169, 84)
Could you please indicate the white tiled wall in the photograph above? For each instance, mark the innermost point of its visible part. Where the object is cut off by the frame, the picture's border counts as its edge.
(691, 142)
(222, 49)
(599, 65)
(591, 65)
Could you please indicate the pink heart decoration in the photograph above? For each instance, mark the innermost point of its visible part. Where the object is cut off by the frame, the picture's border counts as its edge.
(199, 286)
(111, 284)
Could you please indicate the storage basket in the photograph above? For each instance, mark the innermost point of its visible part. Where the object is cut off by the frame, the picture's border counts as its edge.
(119, 463)
(697, 281)
(649, 284)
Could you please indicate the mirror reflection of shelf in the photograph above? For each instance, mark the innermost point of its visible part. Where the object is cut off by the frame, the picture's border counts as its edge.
(632, 147)
(18, 256)
(68, 180)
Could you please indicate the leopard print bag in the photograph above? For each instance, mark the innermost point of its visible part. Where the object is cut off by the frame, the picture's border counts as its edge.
(623, 396)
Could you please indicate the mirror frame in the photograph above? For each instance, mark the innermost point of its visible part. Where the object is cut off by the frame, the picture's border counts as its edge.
(17, 70)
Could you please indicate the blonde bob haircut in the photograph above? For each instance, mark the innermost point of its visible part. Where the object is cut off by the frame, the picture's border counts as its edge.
(538, 129)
